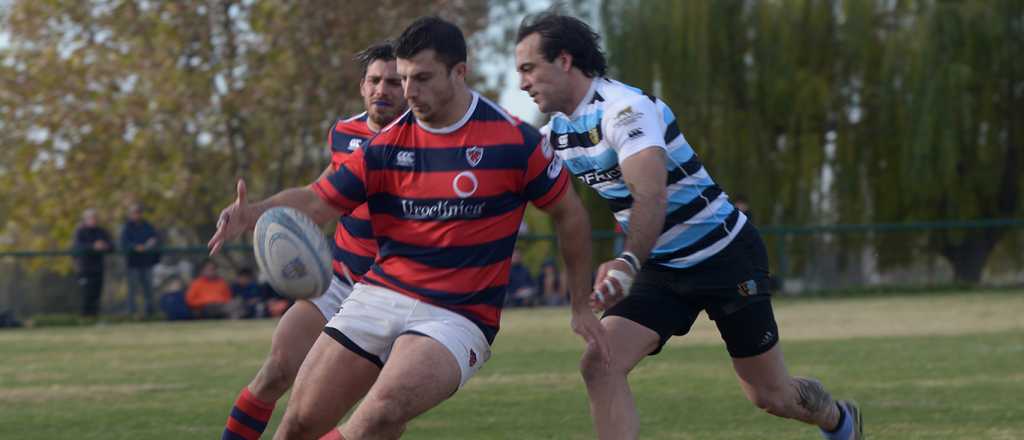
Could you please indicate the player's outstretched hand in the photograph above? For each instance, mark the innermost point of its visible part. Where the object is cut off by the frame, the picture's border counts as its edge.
(614, 278)
(585, 324)
(233, 221)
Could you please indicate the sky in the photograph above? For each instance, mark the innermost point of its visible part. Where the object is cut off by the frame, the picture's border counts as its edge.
(512, 99)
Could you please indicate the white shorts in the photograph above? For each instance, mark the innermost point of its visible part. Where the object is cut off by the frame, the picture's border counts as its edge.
(330, 302)
(374, 317)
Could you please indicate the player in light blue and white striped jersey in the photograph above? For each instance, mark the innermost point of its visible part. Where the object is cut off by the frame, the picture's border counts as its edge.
(687, 247)
(699, 219)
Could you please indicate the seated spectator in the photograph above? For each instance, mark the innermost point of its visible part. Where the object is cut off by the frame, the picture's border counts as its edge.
(246, 290)
(277, 304)
(522, 291)
(173, 305)
(209, 296)
(552, 285)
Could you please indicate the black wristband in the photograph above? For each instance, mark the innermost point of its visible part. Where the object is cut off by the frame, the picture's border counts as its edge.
(630, 259)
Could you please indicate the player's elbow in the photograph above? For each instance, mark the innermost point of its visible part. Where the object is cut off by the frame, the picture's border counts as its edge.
(318, 209)
(568, 210)
(322, 213)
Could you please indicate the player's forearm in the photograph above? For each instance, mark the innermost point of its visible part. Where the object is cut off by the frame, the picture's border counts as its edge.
(302, 198)
(326, 172)
(573, 230)
(646, 218)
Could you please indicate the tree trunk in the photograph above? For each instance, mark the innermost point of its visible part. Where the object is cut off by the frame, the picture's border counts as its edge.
(969, 256)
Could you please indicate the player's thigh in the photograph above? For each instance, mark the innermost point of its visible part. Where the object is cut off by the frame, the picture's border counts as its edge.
(751, 336)
(330, 381)
(653, 305)
(461, 337)
(295, 334)
(330, 302)
(419, 374)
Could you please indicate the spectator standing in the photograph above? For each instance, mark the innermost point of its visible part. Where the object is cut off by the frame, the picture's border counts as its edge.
(90, 245)
(140, 243)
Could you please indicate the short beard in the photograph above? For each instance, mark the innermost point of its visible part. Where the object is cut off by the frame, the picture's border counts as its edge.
(381, 119)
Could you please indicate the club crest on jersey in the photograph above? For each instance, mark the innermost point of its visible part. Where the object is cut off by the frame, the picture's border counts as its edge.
(472, 357)
(627, 116)
(354, 144)
(405, 158)
(748, 288)
(465, 184)
(474, 155)
(595, 136)
(563, 140)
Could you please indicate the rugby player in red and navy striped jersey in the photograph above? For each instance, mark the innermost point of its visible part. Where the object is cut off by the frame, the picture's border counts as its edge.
(354, 251)
(446, 186)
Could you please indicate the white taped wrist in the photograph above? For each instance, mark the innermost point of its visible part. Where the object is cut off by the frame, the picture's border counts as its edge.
(625, 280)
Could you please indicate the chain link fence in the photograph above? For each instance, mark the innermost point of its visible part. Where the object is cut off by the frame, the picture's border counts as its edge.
(819, 260)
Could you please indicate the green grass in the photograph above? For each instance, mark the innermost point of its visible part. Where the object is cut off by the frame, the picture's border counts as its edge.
(943, 367)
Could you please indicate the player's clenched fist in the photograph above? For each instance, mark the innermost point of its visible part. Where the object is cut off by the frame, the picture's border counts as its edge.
(614, 279)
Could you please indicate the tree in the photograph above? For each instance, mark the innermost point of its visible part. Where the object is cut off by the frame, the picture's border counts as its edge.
(950, 104)
(843, 112)
(169, 102)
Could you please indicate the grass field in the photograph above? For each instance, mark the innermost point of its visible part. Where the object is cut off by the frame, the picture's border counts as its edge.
(923, 367)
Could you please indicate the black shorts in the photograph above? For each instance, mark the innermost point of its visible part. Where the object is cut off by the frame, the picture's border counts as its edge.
(733, 287)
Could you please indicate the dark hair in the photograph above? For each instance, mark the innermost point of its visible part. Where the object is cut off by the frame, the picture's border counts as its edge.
(562, 33)
(433, 32)
(380, 51)
(202, 264)
(244, 272)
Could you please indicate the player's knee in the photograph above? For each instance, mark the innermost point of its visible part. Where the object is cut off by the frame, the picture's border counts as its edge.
(274, 378)
(384, 414)
(594, 368)
(298, 424)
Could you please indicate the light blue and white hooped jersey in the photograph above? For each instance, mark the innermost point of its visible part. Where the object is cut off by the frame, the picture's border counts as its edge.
(615, 121)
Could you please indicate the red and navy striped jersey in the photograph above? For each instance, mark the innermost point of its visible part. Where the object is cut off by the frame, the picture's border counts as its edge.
(354, 247)
(446, 205)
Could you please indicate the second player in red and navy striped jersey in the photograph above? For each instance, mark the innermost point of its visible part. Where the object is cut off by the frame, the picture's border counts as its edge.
(446, 205)
(354, 247)
(353, 251)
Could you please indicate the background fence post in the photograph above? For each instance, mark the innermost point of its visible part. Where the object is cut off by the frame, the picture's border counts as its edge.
(783, 271)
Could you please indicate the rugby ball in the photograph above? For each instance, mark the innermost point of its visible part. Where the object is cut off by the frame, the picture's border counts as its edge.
(292, 252)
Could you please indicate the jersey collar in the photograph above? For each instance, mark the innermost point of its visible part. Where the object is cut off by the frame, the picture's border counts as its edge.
(457, 125)
(581, 107)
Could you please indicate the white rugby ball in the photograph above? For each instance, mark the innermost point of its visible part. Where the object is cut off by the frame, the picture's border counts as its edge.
(291, 250)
